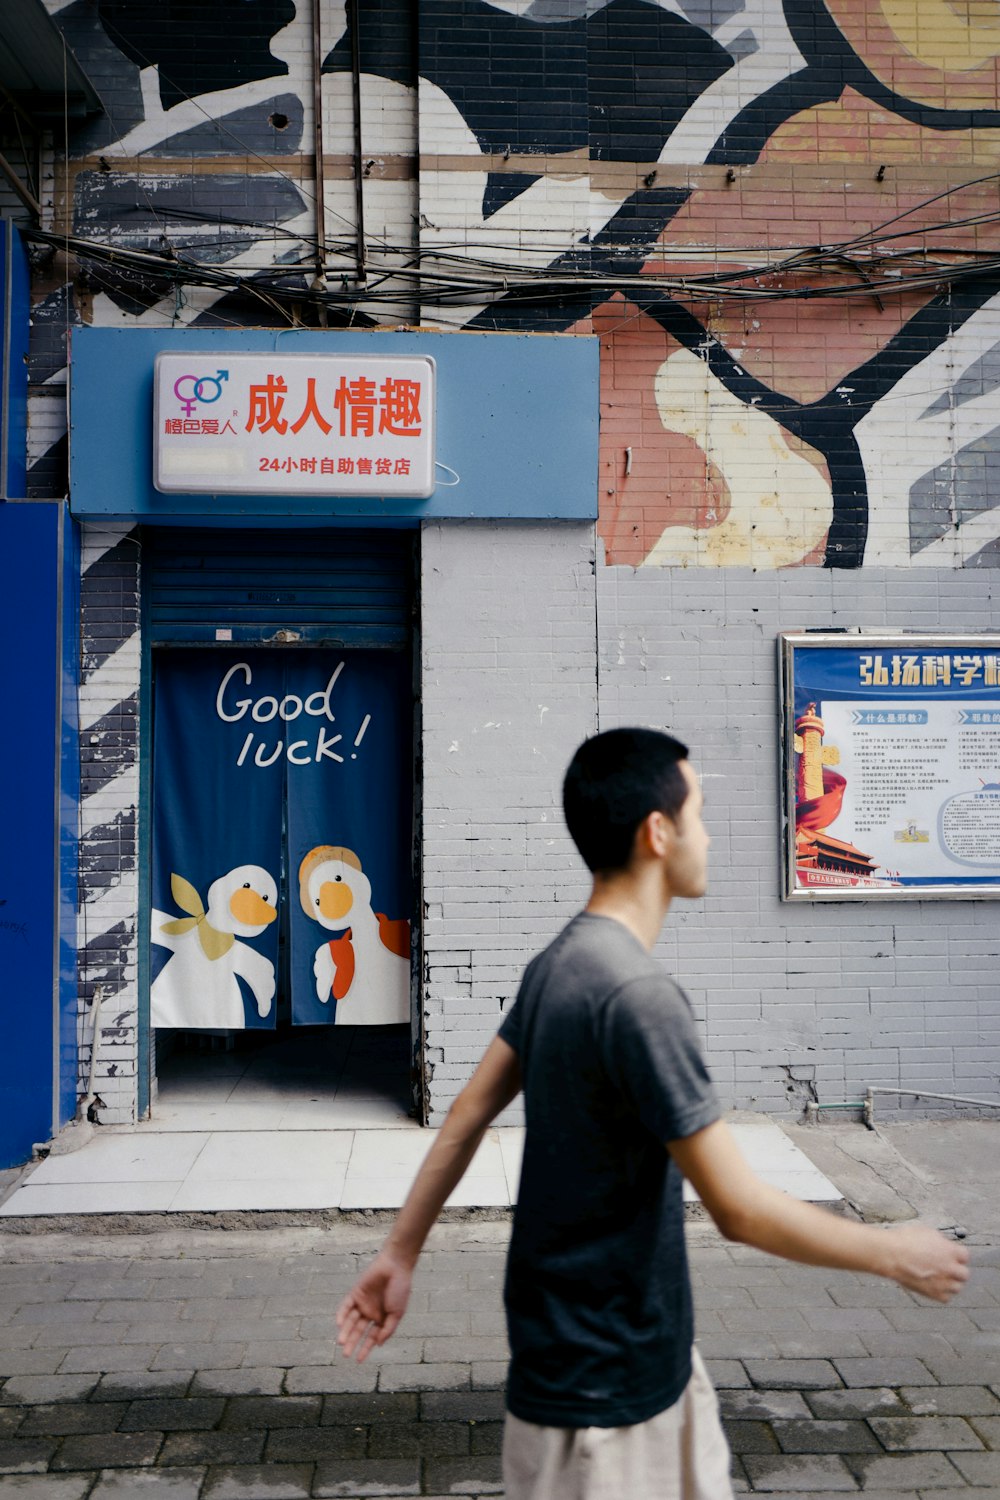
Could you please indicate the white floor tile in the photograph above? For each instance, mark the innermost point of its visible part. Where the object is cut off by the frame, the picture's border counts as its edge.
(336, 1115)
(763, 1143)
(259, 1193)
(364, 1114)
(291, 1156)
(369, 1094)
(387, 1153)
(361, 1190)
(511, 1150)
(480, 1192)
(136, 1157)
(267, 1091)
(91, 1198)
(194, 1095)
(810, 1185)
(390, 1152)
(284, 1136)
(384, 1163)
(208, 1066)
(778, 1161)
(232, 1117)
(488, 1160)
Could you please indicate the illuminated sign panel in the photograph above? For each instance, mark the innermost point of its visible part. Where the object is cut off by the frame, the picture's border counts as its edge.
(296, 424)
(508, 426)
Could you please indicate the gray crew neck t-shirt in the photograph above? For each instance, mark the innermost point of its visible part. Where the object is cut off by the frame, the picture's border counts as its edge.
(597, 1292)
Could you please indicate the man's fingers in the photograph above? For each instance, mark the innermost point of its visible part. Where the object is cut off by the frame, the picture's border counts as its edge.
(369, 1338)
(358, 1334)
(371, 1311)
(373, 1335)
(351, 1327)
(388, 1328)
(347, 1315)
(950, 1280)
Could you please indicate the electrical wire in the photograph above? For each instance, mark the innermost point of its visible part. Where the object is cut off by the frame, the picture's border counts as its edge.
(497, 280)
(871, 264)
(460, 281)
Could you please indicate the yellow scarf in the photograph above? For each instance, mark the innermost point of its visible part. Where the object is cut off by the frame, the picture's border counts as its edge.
(214, 943)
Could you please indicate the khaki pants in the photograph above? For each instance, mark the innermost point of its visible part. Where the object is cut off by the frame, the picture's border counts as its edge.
(680, 1454)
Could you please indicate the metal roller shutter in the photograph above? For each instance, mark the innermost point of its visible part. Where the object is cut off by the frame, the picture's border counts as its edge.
(331, 587)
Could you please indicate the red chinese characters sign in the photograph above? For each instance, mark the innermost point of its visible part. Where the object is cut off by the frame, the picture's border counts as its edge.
(294, 424)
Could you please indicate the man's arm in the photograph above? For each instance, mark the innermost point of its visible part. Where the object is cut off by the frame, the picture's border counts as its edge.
(371, 1311)
(751, 1212)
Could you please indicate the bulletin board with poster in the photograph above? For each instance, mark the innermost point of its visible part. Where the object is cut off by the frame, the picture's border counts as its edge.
(890, 766)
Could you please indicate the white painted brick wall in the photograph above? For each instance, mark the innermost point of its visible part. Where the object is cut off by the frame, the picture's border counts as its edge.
(847, 995)
(107, 921)
(508, 692)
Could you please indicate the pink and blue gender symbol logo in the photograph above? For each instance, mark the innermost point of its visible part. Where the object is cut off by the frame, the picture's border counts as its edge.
(192, 390)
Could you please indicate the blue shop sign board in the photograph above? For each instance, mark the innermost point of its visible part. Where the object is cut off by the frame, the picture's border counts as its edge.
(515, 422)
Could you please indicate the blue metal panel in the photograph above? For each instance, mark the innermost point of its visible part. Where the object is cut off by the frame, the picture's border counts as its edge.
(29, 667)
(69, 803)
(14, 281)
(517, 427)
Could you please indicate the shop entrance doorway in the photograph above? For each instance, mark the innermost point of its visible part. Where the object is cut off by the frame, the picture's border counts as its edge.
(281, 887)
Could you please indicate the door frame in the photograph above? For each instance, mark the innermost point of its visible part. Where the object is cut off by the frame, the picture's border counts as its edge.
(153, 642)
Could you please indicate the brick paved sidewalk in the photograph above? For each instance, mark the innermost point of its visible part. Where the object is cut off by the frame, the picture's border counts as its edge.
(201, 1364)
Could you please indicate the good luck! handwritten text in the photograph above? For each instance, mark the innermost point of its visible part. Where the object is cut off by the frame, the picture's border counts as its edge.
(262, 710)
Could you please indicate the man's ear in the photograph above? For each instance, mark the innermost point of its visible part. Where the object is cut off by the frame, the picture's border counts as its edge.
(656, 833)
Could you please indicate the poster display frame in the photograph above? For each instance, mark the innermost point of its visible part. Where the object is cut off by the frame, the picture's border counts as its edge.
(950, 884)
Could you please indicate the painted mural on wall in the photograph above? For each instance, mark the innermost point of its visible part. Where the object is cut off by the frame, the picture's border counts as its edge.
(772, 213)
(257, 757)
(780, 215)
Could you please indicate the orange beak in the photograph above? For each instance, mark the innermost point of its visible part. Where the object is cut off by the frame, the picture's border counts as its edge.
(251, 909)
(335, 900)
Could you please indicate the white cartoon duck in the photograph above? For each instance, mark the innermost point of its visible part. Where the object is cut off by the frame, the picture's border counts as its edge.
(197, 986)
(366, 969)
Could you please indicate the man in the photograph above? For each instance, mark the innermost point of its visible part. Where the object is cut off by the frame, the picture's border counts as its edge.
(606, 1396)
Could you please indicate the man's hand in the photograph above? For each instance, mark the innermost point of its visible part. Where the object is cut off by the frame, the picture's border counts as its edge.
(927, 1263)
(371, 1311)
(752, 1212)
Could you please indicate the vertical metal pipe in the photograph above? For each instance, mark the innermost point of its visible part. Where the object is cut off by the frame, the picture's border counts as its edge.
(354, 21)
(318, 147)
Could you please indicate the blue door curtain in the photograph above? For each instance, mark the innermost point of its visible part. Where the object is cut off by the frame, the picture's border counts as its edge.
(250, 748)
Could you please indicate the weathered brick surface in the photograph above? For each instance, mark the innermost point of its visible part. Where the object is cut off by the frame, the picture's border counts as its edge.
(740, 438)
(826, 1437)
(383, 1476)
(500, 874)
(797, 1427)
(791, 998)
(108, 1450)
(109, 791)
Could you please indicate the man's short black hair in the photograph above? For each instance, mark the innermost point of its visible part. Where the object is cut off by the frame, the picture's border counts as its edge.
(614, 781)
